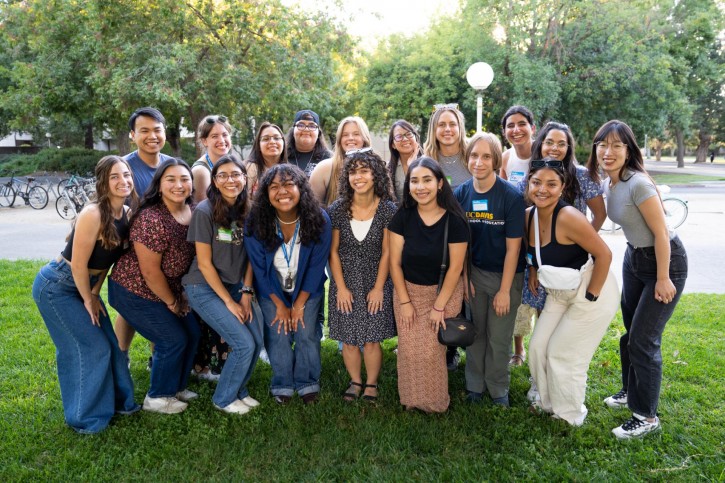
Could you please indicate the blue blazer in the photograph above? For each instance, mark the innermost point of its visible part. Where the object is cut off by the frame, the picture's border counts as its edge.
(310, 271)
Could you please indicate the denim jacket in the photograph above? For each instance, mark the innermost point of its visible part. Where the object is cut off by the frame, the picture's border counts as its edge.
(310, 270)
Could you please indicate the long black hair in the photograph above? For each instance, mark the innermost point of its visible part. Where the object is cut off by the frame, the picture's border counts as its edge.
(564, 176)
(223, 213)
(319, 152)
(262, 217)
(255, 155)
(394, 154)
(445, 197)
(621, 130)
(572, 190)
(382, 185)
(153, 192)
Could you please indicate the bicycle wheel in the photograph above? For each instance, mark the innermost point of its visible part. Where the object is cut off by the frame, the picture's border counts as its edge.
(7, 195)
(38, 197)
(675, 211)
(65, 208)
(62, 185)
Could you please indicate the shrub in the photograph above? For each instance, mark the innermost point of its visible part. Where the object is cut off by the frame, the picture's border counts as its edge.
(72, 160)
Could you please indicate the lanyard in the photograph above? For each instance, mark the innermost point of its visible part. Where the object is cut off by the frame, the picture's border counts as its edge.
(288, 258)
(211, 165)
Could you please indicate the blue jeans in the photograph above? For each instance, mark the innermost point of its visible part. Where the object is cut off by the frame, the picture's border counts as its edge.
(175, 338)
(644, 319)
(245, 340)
(94, 379)
(299, 369)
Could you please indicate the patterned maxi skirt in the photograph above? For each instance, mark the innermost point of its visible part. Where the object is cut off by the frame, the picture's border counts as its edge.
(422, 372)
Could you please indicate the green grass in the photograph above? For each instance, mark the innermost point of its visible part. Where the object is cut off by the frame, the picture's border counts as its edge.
(338, 441)
(675, 179)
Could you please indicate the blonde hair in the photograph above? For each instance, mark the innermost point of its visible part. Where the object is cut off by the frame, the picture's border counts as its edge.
(493, 143)
(338, 156)
(431, 148)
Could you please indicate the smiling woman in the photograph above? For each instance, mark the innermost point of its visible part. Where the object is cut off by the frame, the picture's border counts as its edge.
(213, 135)
(268, 149)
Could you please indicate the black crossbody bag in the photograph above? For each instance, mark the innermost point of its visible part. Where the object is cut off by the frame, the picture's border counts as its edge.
(459, 331)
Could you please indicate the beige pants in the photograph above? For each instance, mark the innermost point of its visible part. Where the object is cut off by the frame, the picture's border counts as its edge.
(567, 333)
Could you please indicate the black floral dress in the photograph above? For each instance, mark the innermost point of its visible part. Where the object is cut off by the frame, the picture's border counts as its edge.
(360, 261)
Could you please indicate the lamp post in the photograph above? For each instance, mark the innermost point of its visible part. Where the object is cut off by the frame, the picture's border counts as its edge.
(479, 76)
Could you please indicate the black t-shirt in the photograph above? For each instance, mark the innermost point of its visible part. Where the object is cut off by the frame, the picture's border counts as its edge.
(423, 248)
(306, 161)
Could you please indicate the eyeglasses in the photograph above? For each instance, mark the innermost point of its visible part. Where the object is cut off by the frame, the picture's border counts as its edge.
(550, 144)
(614, 147)
(306, 127)
(547, 163)
(438, 107)
(213, 119)
(266, 139)
(353, 152)
(399, 137)
(222, 177)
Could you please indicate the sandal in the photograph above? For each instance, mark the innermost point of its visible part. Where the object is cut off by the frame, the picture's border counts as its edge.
(367, 397)
(350, 395)
(517, 360)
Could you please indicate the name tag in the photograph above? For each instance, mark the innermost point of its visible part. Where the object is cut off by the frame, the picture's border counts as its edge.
(224, 235)
(517, 176)
(450, 180)
(529, 259)
(480, 205)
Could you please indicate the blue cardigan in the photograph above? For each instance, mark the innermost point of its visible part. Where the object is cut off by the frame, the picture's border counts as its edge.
(310, 270)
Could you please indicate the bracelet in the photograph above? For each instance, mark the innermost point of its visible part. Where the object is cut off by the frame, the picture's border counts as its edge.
(403, 303)
(301, 308)
(247, 289)
(438, 310)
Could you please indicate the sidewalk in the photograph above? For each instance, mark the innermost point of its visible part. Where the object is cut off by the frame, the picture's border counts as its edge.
(701, 169)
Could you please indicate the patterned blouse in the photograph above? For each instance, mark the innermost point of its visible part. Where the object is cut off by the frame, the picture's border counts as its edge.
(156, 229)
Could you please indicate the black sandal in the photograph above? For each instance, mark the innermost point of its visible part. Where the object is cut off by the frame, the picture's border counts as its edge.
(351, 396)
(367, 397)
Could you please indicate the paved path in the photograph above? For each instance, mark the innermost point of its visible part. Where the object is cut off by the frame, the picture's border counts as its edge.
(30, 234)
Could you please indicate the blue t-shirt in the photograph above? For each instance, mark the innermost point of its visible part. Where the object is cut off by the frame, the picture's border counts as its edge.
(142, 172)
(492, 217)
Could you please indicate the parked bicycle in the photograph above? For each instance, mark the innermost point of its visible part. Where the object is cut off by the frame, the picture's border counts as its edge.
(32, 193)
(88, 183)
(71, 201)
(7, 194)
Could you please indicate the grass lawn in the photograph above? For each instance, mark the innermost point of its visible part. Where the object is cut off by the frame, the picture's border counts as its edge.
(338, 441)
(675, 179)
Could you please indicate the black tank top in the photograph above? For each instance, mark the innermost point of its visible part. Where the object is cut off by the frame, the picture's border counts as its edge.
(102, 259)
(555, 253)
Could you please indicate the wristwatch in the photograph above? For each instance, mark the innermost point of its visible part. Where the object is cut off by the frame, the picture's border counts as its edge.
(247, 289)
(591, 297)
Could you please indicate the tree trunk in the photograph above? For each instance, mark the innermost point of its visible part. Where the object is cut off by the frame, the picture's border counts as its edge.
(658, 150)
(702, 148)
(122, 142)
(173, 137)
(88, 141)
(680, 138)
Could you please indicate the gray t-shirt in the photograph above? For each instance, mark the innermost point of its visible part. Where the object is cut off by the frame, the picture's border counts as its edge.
(455, 169)
(227, 247)
(623, 202)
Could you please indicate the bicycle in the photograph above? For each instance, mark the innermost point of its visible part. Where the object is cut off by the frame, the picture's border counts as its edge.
(89, 183)
(7, 194)
(71, 201)
(34, 195)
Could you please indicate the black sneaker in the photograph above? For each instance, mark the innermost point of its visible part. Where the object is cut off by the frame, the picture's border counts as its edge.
(452, 359)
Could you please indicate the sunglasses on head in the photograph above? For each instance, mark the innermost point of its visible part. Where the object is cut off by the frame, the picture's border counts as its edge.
(214, 119)
(547, 163)
(438, 107)
(353, 152)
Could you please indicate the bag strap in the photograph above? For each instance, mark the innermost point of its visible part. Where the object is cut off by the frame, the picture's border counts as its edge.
(537, 243)
(445, 254)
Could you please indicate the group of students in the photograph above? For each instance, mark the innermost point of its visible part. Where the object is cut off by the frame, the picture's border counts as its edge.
(245, 246)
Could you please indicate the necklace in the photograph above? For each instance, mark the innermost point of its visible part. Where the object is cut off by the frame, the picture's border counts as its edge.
(449, 159)
(288, 222)
(373, 205)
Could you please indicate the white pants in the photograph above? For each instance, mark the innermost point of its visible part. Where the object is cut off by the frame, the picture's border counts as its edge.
(566, 335)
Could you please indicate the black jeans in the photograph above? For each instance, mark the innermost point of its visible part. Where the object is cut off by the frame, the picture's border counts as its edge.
(645, 319)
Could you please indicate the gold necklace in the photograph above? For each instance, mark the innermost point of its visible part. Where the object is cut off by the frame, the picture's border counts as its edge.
(288, 222)
(370, 210)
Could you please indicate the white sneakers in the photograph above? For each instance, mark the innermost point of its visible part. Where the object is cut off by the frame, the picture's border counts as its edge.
(236, 407)
(636, 427)
(186, 395)
(617, 401)
(250, 401)
(163, 405)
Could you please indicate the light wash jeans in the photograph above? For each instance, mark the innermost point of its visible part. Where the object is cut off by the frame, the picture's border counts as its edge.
(293, 370)
(245, 340)
(93, 374)
(175, 338)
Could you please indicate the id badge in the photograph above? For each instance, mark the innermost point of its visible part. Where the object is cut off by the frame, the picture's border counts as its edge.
(224, 235)
(480, 205)
(289, 281)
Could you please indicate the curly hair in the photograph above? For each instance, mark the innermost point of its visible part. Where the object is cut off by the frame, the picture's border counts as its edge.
(108, 234)
(382, 184)
(153, 192)
(572, 189)
(262, 217)
(222, 212)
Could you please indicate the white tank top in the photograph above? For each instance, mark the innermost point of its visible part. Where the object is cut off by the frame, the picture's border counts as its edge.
(516, 168)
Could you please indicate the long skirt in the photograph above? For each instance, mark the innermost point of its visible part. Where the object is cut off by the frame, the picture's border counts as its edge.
(422, 372)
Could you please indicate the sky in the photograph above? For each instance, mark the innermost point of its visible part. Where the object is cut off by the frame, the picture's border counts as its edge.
(373, 19)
